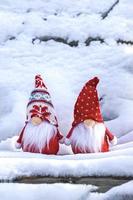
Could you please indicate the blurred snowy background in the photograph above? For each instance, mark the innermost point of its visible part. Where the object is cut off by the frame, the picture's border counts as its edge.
(68, 42)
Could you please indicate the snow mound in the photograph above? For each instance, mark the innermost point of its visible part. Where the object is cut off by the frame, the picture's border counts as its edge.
(43, 191)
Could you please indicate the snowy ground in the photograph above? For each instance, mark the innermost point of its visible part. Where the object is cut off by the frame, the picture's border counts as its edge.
(117, 162)
(65, 191)
(65, 69)
(43, 191)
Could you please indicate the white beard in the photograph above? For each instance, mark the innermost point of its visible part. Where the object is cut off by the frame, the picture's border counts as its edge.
(88, 138)
(38, 135)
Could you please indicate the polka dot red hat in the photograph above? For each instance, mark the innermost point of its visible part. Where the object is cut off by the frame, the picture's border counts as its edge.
(87, 105)
(40, 103)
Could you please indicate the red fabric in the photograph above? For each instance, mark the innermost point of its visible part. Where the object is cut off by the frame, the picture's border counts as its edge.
(76, 150)
(70, 132)
(19, 140)
(40, 101)
(40, 104)
(51, 148)
(109, 135)
(40, 91)
(87, 105)
(59, 135)
(40, 111)
(105, 146)
(39, 82)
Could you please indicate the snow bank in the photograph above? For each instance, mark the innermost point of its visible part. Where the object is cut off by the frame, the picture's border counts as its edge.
(124, 191)
(65, 191)
(44, 191)
(114, 163)
(117, 162)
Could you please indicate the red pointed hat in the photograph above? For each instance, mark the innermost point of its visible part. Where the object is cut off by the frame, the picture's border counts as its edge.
(87, 104)
(40, 103)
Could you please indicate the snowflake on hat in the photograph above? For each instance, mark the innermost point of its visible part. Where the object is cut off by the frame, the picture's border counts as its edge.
(40, 134)
(88, 133)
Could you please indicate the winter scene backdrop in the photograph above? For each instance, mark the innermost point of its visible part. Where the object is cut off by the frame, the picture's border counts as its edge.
(67, 42)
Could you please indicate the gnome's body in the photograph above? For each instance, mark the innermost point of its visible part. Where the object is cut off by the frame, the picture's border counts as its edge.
(40, 133)
(89, 133)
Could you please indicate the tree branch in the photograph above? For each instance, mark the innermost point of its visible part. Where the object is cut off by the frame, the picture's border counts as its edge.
(105, 14)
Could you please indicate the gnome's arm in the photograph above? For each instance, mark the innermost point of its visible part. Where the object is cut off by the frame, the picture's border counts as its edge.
(60, 136)
(19, 140)
(67, 140)
(111, 137)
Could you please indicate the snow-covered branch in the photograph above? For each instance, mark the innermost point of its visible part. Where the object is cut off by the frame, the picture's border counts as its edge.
(105, 14)
(75, 43)
(57, 39)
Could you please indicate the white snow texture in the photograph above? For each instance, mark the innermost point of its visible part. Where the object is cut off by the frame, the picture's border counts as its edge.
(65, 69)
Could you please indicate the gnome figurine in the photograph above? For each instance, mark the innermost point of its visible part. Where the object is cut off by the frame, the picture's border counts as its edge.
(40, 133)
(89, 133)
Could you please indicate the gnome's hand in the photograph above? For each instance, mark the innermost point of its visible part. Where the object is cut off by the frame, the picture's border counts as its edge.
(114, 141)
(67, 141)
(18, 145)
(62, 140)
(89, 122)
(36, 121)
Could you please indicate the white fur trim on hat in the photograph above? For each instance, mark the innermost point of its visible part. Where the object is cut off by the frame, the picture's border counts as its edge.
(18, 145)
(67, 141)
(114, 141)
